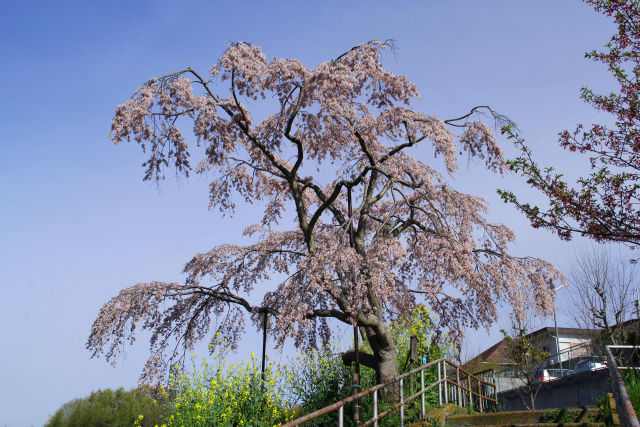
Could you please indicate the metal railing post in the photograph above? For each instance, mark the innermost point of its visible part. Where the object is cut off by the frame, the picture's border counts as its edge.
(341, 417)
(470, 392)
(422, 408)
(458, 386)
(465, 399)
(439, 386)
(446, 390)
(375, 407)
(401, 404)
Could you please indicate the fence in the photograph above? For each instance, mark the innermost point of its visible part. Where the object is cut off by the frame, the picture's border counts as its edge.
(476, 393)
(557, 366)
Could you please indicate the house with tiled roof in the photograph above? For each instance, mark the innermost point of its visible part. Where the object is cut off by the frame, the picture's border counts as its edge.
(574, 343)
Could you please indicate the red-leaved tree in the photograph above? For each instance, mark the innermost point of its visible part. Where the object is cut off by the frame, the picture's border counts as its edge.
(604, 205)
(344, 125)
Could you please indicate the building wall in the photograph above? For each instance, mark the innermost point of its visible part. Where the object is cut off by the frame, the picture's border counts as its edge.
(566, 342)
(574, 391)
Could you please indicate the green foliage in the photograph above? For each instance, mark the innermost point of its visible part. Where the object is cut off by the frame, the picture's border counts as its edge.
(319, 378)
(228, 395)
(604, 415)
(559, 416)
(235, 394)
(419, 323)
(525, 362)
(111, 408)
(524, 356)
(632, 384)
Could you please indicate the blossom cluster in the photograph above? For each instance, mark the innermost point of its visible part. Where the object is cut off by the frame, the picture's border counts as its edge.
(375, 230)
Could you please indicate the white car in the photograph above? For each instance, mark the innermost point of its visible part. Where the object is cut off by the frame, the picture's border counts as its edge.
(592, 363)
(544, 375)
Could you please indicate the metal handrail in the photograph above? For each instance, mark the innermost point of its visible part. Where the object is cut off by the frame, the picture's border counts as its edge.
(339, 406)
(623, 404)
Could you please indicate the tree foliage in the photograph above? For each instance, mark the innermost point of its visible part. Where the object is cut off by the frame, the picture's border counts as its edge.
(526, 360)
(108, 407)
(420, 323)
(605, 204)
(341, 128)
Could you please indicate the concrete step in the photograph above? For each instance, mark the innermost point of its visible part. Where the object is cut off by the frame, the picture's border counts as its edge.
(428, 424)
(549, 425)
(455, 417)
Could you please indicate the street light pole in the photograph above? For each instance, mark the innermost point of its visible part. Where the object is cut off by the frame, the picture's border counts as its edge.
(555, 322)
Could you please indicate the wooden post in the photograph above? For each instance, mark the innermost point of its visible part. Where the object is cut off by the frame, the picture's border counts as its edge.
(481, 400)
(264, 341)
(357, 410)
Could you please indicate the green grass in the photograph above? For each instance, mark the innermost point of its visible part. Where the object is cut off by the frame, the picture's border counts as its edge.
(632, 383)
(557, 416)
(604, 416)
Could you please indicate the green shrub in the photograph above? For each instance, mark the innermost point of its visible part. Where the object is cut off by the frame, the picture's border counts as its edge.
(604, 415)
(631, 379)
(236, 395)
(420, 323)
(558, 416)
(111, 408)
(319, 378)
(229, 395)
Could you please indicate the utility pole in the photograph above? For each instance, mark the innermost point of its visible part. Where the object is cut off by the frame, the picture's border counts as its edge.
(357, 415)
(264, 341)
(555, 323)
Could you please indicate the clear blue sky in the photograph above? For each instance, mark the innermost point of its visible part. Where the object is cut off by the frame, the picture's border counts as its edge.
(77, 222)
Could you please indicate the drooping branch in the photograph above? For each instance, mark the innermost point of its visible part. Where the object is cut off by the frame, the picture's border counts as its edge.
(344, 125)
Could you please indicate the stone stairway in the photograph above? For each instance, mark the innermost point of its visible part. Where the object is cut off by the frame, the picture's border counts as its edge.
(454, 416)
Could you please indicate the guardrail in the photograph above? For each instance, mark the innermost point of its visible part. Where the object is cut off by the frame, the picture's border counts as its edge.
(453, 393)
(623, 404)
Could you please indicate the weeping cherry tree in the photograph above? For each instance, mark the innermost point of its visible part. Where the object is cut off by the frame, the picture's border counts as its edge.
(339, 132)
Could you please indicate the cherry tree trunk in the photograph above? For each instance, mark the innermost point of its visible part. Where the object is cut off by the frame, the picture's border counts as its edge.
(386, 362)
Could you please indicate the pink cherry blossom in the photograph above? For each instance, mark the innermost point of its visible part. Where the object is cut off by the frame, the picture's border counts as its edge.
(344, 124)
